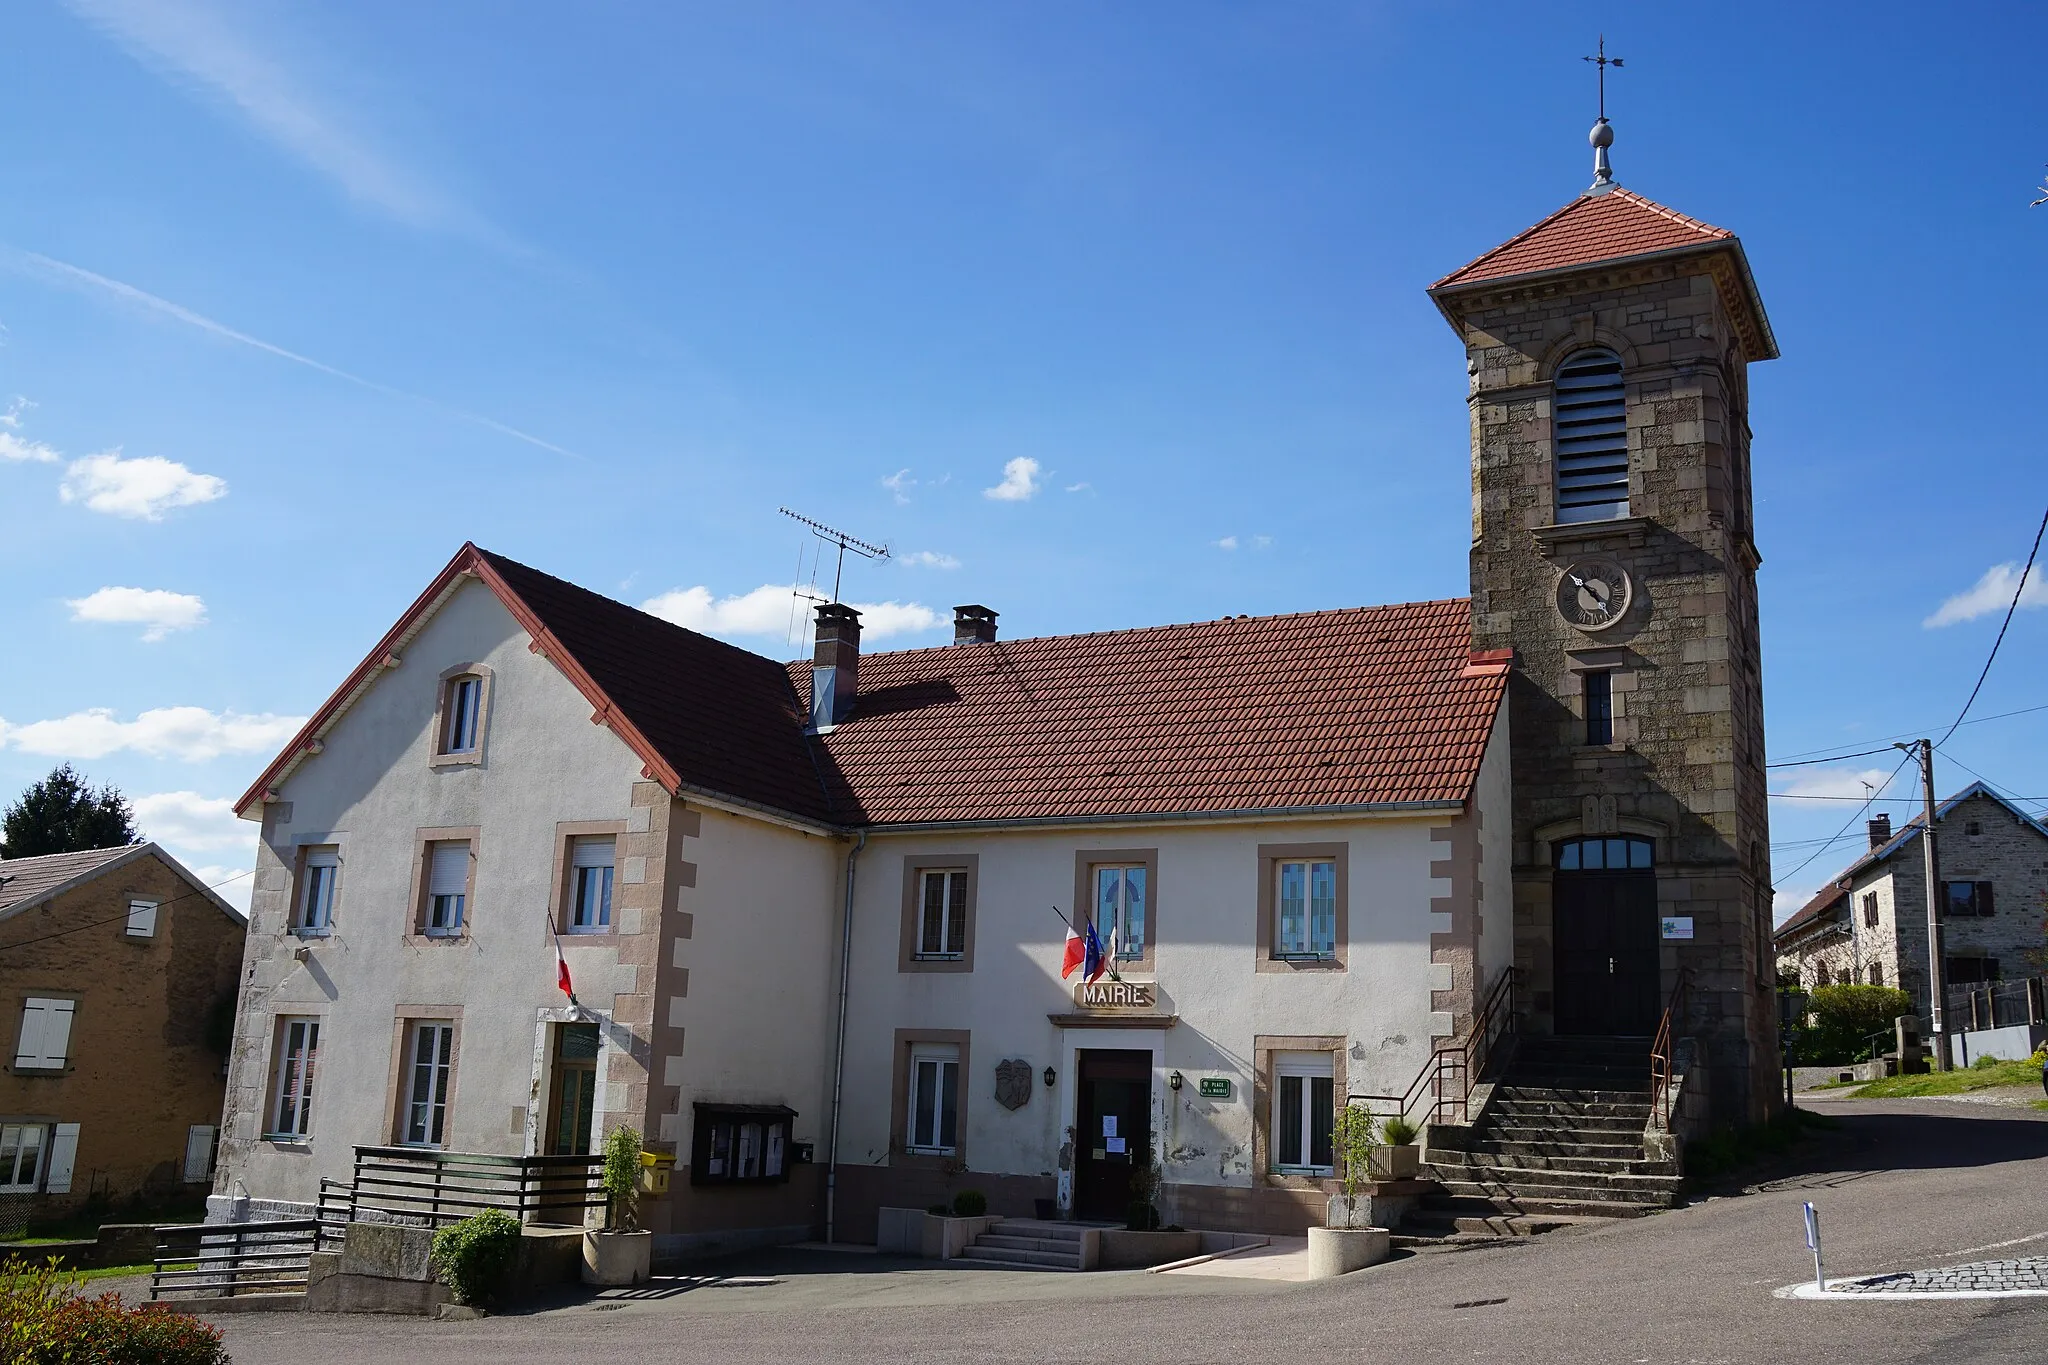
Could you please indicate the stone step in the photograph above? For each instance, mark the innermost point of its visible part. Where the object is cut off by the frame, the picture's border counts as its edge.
(1034, 1227)
(1627, 1081)
(1494, 1146)
(1002, 1241)
(1566, 1204)
(1526, 1194)
(1508, 1173)
(1634, 1164)
(1581, 1096)
(1433, 1223)
(1035, 1260)
(1556, 1107)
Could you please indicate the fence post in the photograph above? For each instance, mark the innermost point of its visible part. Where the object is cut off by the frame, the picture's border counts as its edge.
(2033, 999)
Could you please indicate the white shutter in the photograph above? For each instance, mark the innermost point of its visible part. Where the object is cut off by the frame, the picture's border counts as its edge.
(450, 872)
(198, 1153)
(56, 1032)
(29, 1050)
(142, 919)
(592, 852)
(63, 1156)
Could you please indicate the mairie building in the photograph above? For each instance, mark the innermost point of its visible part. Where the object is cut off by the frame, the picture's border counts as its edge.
(1422, 857)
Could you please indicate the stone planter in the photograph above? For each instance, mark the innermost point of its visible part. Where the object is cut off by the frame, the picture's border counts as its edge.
(617, 1258)
(1123, 1249)
(1395, 1163)
(935, 1237)
(1350, 1213)
(1339, 1251)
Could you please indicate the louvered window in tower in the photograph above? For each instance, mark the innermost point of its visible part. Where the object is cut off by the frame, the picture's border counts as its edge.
(1592, 438)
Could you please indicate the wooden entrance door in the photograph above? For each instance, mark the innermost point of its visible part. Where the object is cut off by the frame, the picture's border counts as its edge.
(1112, 1128)
(573, 1094)
(1604, 937)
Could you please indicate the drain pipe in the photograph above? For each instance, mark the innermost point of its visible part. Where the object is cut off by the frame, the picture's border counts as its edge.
(839, 1063)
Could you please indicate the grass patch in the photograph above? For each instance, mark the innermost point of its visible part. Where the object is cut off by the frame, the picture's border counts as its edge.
(1953, 1082)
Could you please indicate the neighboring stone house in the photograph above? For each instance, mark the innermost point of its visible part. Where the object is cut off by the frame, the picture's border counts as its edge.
(114, 965)
(1869, 924)
(814, 914)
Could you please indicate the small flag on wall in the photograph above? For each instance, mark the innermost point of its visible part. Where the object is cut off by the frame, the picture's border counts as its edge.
(562, 971)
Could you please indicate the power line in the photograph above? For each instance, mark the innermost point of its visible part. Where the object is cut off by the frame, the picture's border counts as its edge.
(1778, 881)
(1903, 734)
(2012, 607)
(1832, 758)
(113, 919)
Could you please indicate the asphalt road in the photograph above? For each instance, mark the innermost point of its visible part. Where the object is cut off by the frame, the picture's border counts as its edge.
(1901, 1185)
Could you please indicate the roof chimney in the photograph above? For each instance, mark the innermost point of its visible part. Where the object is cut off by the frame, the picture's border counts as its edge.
(835, 665)
(974, 625)
(1880, 831)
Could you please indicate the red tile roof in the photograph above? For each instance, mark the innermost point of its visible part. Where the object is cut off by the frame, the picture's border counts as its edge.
(1334, 708)
(1593, 227)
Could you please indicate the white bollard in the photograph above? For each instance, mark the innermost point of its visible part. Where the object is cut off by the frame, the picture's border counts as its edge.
(1820, 1284)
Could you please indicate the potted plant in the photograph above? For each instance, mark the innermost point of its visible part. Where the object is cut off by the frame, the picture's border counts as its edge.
(619, 1253)
(1350, 1241)
(1396, 1157)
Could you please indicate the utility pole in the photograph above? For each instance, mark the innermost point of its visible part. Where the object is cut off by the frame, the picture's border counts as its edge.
(1937, 962)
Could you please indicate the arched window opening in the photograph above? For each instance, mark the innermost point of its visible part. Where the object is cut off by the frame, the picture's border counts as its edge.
(1591, 437)
(1605, 855)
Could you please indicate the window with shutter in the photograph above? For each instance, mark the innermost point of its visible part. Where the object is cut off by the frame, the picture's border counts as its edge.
(298, 1052)
(142, 919)
(21, 1155)
(447, 888)
(1591, 437)
(45, 1040)
(1304, 1111)
(590, 884)
(316, 897)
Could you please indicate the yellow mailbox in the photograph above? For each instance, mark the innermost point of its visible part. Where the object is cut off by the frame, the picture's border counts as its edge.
(655, 1169)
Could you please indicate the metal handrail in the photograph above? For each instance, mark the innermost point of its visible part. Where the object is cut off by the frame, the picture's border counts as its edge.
(1661, 1051)
(226, 1259)
(1447, 1078)
(434, 1187)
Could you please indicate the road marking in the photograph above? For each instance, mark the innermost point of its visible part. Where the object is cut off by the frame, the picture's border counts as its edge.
(1807, 1291)
(1994, 1246)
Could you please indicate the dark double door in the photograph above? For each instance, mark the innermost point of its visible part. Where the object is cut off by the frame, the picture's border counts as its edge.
(1604, 935)
(1112, 1130)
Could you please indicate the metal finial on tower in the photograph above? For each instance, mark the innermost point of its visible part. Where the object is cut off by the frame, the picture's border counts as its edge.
(1602, 136)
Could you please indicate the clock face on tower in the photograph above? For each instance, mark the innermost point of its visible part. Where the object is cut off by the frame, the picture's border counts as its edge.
(1593, 593)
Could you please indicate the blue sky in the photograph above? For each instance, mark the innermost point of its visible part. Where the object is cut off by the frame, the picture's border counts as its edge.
(297, 298)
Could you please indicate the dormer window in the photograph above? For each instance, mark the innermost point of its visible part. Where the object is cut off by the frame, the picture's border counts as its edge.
(1591, 431)
(461, 714)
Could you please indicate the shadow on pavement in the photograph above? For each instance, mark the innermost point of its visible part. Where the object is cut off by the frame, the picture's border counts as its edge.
(1864, 1142)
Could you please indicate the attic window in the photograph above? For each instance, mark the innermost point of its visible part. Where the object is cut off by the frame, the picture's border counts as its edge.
(462, 713)
(1591, 437)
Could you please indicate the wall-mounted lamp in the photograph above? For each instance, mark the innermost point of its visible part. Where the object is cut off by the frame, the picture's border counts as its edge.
(1176, 1080)
(1049, 1078)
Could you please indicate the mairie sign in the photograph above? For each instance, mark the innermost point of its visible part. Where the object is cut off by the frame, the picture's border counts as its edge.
(1113, 995)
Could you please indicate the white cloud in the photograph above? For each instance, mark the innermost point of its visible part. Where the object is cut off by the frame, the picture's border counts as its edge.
(190, 820)
(1227, 543)
(143, 488)
(191, 733)
(928, 559)
(1784, 902)
(1993, 592)
(13, 448)
(1081, 487)
(1835, 782)
(1020, 481)
(231, 884)
(12, 417)
(161, 612)
(198, 47)
(1262, 542)
(767, 611)
(899, 485)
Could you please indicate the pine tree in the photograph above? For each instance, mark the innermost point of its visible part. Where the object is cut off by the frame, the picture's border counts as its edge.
(61, 814)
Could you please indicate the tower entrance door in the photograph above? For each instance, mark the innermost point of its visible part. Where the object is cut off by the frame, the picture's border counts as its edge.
(1604, 936)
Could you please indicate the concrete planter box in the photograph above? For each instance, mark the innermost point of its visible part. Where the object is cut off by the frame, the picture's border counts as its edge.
(1395, 1163)
(913, 1232)
(617, 1258)
(1339, 1251)
(1123, 1249)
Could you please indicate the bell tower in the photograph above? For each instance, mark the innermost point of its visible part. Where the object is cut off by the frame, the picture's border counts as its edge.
(1608, 348)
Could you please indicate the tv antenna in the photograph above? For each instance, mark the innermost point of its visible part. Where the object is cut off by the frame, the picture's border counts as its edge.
(842, 540)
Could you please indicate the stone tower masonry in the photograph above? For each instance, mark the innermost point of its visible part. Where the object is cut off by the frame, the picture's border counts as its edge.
(1674, 300)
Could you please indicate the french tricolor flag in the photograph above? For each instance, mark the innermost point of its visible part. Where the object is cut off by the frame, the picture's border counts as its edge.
(1077, 951)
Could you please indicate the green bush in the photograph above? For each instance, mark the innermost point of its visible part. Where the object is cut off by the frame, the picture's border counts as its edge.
(1351, 1135)
(1398, 1131)
(1845, 1016)
(45, 1320)
(474, 1257)
(970, 1204)
(621, 1178)
(1985, 1063)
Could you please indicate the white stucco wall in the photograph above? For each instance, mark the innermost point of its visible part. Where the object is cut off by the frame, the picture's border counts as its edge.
(370, 791)
(1206, 901)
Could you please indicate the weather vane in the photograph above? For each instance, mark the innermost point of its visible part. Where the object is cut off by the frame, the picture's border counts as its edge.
(1602, 136)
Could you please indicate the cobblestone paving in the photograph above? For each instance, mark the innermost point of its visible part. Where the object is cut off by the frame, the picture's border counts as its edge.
(2027, 1272)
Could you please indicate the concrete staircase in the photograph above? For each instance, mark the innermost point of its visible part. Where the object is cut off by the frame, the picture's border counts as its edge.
(1561, 1140)
(1028, 1244)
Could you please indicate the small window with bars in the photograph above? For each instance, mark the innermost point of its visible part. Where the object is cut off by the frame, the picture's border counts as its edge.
(1591, 437)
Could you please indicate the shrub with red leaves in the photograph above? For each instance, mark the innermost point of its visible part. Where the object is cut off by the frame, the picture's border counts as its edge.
(44, 1320)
